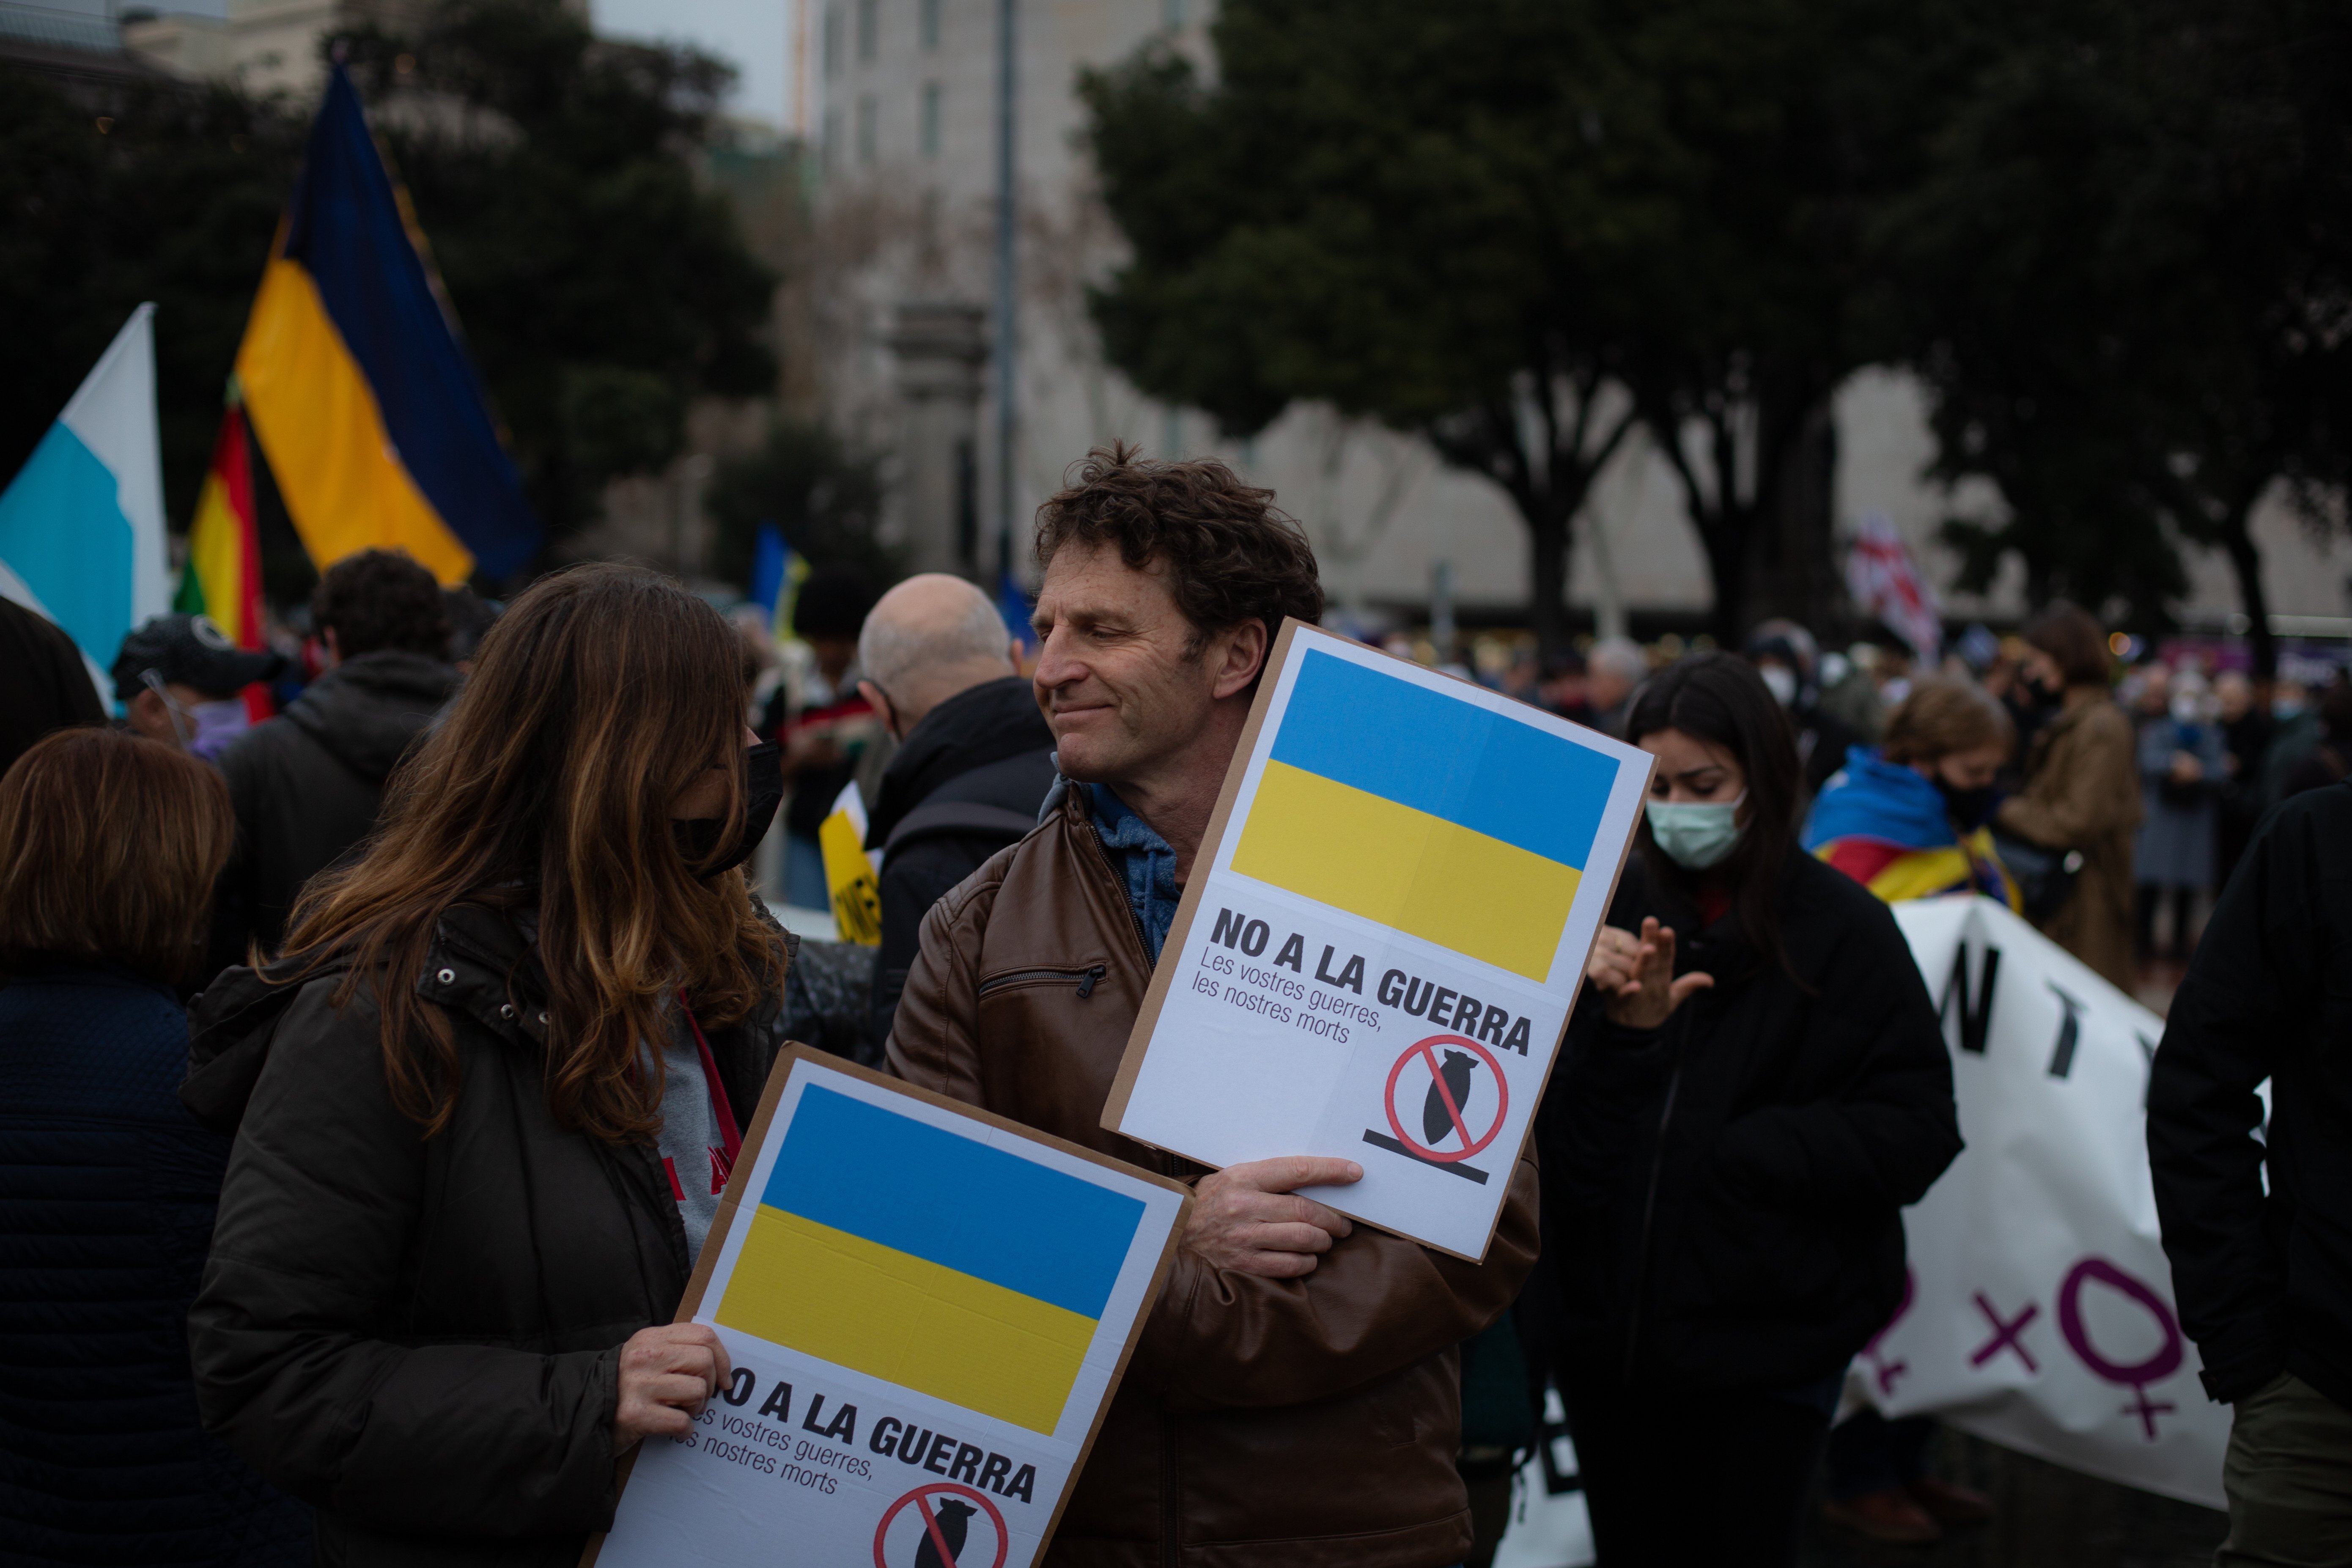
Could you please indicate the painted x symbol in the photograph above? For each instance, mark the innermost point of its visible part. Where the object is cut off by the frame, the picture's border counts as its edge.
(2005, 1334)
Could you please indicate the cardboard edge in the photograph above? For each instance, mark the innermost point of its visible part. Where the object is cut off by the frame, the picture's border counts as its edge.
(1575, 995)
(1187, 908)
(705, 1262)
(1163, 976)
(755, 1137)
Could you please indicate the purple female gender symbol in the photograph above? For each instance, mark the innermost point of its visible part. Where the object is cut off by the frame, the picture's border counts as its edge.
(2154, 1369)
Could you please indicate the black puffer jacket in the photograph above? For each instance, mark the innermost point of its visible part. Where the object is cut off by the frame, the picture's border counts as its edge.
(967, 782)
(1722, 1195)
(307, 784)
(420, 1337)
(2263, 1270)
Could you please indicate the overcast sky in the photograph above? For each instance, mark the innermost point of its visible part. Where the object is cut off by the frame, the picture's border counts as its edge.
(749, 34)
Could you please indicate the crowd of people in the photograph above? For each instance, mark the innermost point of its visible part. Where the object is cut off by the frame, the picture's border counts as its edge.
(370, 1075)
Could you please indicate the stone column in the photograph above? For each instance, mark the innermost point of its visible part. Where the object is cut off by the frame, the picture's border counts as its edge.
(939, 350)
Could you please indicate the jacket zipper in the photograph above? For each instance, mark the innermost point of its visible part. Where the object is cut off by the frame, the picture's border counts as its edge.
(1086, 978)
(1119, 891)
(1169, 1549)
(1650, 1193)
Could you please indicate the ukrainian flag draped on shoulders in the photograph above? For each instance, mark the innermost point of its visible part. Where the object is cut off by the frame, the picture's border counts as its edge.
(1886, 826)
(357, 390)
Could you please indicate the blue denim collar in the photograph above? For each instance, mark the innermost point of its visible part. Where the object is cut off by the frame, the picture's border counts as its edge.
(1147, 861)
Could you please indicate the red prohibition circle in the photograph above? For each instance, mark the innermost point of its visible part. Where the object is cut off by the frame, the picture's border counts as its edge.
(881, 1530)
(1502, 1096)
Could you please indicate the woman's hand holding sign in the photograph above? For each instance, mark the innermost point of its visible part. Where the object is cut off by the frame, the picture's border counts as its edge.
(1637, 975)
(1249, 1217)
(668, 1374)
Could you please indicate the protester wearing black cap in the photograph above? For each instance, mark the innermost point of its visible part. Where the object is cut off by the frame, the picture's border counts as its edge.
(179, 676)
(307, 784)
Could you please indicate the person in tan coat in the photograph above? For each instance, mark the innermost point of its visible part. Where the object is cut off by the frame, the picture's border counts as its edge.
(2082, 787)
(1295, 1398)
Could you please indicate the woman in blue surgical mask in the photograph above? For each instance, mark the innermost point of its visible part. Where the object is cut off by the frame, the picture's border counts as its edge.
(1754, 1085)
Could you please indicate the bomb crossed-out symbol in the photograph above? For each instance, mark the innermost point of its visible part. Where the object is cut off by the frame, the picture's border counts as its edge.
(1445, 1106)
(938, 1530)
(2009, 1332)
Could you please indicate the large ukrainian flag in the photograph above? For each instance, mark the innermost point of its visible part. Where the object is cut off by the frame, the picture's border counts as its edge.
(928, 1259)
(1423, 812)
(367, 407)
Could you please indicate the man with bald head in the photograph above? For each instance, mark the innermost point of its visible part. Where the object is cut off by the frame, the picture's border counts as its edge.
(974, 758)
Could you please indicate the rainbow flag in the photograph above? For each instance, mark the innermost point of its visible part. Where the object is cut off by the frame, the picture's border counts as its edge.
(1439, 817)
(928, 1259)
(374, 425)
(223, 576)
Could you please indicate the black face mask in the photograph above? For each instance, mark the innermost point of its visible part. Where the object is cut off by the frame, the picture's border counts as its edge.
(763, 791)
(1967, 808)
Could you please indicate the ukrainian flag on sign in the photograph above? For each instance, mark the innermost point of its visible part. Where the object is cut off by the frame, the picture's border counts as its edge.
(1425, 813)
(926, 1259)
(375, 427)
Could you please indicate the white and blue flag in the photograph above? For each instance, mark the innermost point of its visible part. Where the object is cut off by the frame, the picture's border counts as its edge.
(81, 525)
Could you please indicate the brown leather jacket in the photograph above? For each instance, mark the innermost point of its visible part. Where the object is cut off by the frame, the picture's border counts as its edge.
(1262, 1422)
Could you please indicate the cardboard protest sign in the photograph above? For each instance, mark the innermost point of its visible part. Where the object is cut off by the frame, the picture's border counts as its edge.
(851, 876)
(928, 1307)
(1378, 949)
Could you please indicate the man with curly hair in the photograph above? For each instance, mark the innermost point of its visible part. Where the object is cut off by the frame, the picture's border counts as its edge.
(1294, 1397)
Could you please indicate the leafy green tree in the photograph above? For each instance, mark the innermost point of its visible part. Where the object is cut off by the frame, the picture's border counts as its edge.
(823, 498)
(1789, 125)
(2128, 276)
(1518, 227)
(108, 197)
(1421, 213)
(601, 287)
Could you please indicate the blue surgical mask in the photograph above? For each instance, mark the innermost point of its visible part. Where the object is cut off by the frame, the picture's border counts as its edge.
(1695, 834)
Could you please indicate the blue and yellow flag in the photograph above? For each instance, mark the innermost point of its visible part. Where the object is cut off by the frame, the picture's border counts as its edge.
(1442, 818)
(362, 401)
(928, 1259)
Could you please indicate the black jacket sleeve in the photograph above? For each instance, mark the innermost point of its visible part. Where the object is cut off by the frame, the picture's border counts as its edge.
(292, 1334)
(2251, 987)
(913, 880)
(1884, 1126)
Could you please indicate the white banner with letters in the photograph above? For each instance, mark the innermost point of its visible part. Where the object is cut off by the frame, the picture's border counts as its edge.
(2040, 1312)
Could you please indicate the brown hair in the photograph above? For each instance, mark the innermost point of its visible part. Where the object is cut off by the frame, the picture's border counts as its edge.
(109, 844)
(600, 695)
(1226, 553)
(2074, 641)
(381, 599)
(1943, 716)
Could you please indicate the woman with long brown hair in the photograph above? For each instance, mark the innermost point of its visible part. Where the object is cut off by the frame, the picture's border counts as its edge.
(486, 1098)
(108, 846)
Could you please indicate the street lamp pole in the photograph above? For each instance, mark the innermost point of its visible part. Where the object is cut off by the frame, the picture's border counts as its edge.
(1007, 261)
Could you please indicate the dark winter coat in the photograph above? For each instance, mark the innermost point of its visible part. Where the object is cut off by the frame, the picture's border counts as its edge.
(307, 784)
(1723, 1194)
(967, 782)
(107, 1188)
(420, 1337)
(2264, 1279)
